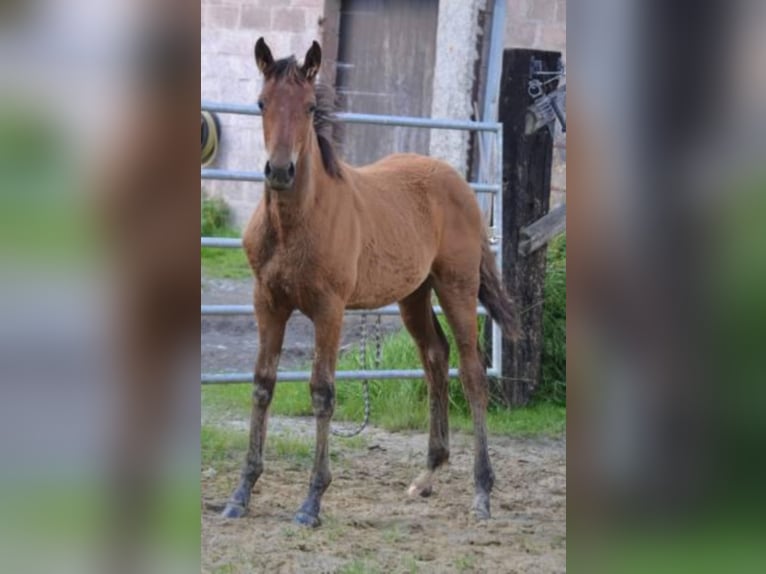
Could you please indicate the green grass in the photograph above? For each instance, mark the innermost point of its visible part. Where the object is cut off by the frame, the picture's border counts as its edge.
(217, 262)
(292, 399)
(223, 448)
(466, 563)
(359, 566)
(299, 450)
(224, 263)
(228, 263)
(553, 378)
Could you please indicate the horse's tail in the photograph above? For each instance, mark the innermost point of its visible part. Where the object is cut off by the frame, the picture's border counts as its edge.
(494, 297)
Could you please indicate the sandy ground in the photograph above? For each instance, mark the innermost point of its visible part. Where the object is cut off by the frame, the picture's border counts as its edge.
(369, 523)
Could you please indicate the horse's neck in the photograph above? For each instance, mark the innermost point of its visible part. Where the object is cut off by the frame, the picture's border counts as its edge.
(286, 214)
(290, 213)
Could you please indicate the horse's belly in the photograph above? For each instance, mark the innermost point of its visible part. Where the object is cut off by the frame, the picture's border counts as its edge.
(377, 287)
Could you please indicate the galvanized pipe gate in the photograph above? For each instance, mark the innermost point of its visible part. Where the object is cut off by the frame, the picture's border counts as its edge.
(491, 162)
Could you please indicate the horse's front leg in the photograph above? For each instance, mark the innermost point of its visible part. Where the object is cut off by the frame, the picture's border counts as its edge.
(271, 333)
(327, 327)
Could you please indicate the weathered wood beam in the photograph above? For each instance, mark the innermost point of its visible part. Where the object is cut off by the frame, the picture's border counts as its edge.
(539, 233)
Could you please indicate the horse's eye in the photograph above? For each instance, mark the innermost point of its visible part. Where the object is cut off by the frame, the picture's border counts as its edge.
(312, 108)
(261, 105)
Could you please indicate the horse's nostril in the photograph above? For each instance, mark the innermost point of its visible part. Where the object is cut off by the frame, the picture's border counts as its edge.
(279, 176)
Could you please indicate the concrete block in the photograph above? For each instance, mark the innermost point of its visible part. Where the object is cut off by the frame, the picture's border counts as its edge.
(316, 4)
(544, 10)
(273, 3)
(288, 20)
(229, 42)
(561, 11)
(300, 43)
(456, 54)
(522, 35)
(255, 18)
(224, 16)
(554, 37)
(516, 10)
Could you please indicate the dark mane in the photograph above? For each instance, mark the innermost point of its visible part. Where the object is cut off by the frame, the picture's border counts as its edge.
(286, 68)
(326, 125)
(327, 129)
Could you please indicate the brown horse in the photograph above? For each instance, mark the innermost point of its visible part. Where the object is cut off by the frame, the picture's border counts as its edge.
(328, 237)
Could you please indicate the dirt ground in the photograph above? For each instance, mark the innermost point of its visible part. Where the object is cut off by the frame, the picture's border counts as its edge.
(369, 523)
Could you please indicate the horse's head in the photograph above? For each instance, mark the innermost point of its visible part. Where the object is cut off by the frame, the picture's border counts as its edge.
(288, 103)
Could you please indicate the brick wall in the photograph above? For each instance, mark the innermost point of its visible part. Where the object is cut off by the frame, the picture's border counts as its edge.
(229, 31)
(542, 25)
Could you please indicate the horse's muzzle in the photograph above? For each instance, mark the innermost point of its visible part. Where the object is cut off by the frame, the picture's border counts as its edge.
(279, 177)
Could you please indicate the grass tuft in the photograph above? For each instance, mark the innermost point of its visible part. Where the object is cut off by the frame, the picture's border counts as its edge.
(222, 448)
(358, 566)
(553, 388)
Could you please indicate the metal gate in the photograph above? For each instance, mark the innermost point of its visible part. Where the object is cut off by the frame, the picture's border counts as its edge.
(490, 163)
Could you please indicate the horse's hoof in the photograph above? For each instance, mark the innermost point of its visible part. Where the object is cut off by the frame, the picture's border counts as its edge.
(422, 485)
(425, 490)
(307, 520)
(234, 510)
(481, 507)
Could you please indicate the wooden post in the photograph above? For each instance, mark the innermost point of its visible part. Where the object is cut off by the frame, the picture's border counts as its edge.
(526, 192)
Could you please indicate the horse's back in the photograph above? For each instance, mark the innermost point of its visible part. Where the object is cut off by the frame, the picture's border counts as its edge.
(412, 177)
(416, 212)
(430, 190)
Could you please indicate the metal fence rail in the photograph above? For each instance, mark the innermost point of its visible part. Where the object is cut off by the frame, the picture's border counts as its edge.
(254, 176)
(248, 310)
(257, 176)
(371, 119)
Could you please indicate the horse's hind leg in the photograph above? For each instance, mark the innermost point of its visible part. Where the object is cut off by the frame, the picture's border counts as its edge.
(271, 332)
(421, 322)
(458, 299)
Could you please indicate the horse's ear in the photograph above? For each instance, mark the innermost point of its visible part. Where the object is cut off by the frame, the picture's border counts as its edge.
(312, 61)
(263, 57)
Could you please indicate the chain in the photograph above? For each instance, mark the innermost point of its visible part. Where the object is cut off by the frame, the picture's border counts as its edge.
(378, 339)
